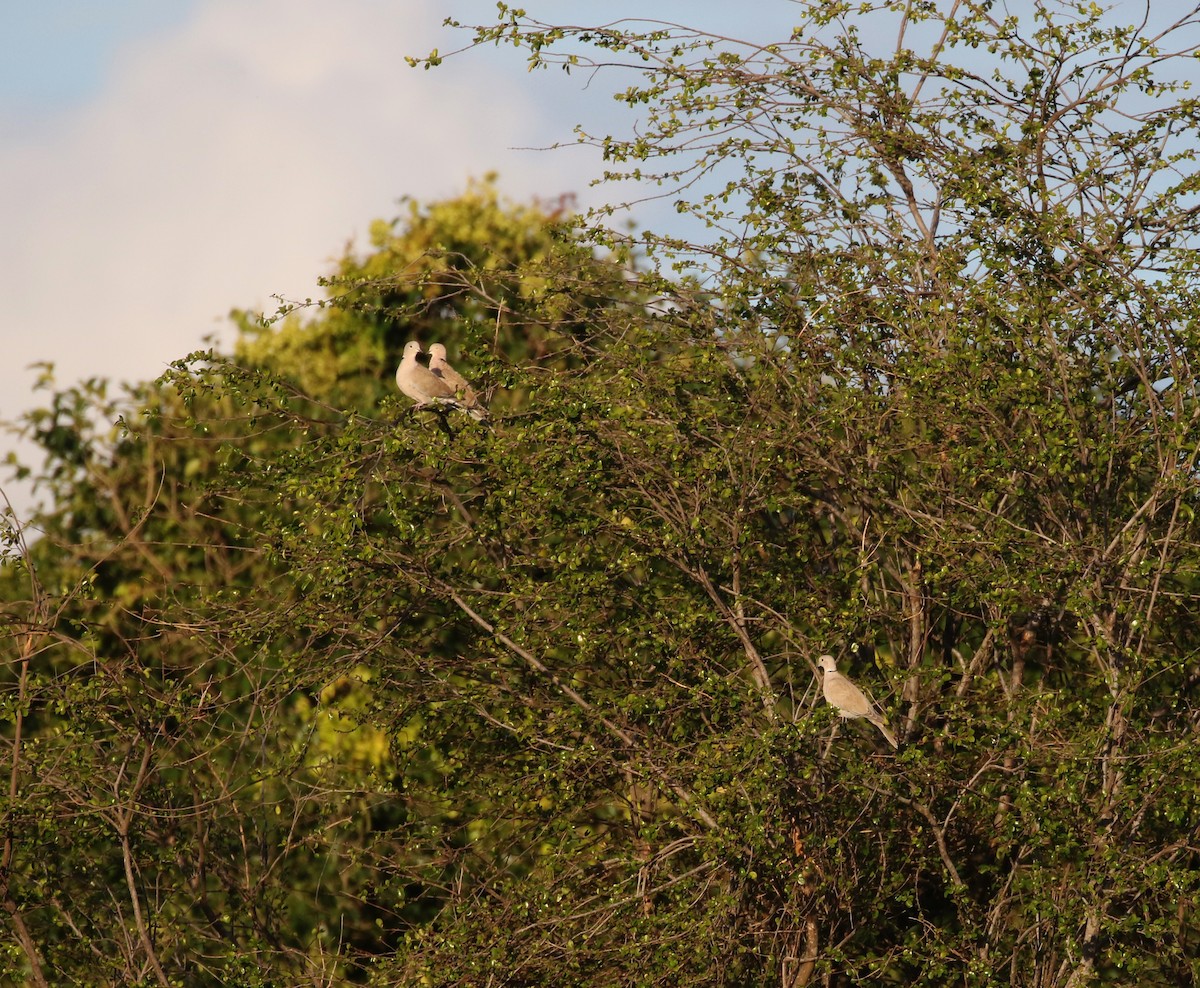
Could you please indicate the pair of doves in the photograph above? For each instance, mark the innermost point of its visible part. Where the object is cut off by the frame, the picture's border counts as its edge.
(437, 384)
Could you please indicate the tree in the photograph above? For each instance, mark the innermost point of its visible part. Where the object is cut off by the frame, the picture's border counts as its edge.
(206, 791)
(972, 454)
(933, 411)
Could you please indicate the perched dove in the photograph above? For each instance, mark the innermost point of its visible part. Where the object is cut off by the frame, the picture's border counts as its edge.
(420, 383)
(464, 391)
(848, 700)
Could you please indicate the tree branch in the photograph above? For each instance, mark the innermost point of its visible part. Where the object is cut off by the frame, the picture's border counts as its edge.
(613, 728)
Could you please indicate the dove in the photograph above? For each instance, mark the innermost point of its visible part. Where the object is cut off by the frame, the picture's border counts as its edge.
(420, 383)
(466, 394)
(849, 701)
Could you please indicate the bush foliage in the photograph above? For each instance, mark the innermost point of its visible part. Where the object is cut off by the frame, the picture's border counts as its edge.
(306, 686)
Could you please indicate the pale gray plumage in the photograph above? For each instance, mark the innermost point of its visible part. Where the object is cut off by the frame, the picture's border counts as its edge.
(420, 383)
(849, 701)
(462, 388)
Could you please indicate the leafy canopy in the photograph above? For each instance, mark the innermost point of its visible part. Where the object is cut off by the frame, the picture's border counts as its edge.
(344, 693)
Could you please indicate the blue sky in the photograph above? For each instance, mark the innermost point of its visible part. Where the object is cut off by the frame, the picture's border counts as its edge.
(58, 53)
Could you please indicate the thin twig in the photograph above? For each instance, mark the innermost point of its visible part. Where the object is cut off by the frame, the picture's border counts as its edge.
(615, 729)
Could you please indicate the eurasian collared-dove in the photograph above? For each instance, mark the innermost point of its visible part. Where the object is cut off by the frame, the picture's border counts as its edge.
(849, 701)
(420, 383)
(464, 391)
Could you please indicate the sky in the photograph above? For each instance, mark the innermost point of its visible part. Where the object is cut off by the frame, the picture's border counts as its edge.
(165, 161)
